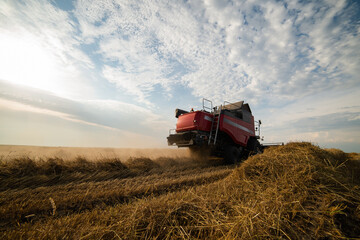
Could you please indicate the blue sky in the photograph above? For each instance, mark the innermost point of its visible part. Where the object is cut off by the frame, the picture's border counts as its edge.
(109, 73)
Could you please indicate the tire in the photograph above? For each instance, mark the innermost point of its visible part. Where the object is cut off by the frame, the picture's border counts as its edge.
(254, 147)
(232, 154)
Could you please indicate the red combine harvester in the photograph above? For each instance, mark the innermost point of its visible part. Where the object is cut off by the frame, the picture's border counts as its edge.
(228, 130)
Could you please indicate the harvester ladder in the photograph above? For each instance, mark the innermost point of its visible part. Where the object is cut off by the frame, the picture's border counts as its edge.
(215, 127)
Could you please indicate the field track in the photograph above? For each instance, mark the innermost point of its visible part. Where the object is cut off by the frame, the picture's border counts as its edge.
(84, 187)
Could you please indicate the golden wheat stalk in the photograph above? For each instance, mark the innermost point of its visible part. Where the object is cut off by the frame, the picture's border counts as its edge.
(53, 205)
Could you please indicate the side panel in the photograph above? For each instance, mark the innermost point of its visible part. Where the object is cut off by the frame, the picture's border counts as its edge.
(186, 122)
(204, 121)
(240, 131)
(194, 121)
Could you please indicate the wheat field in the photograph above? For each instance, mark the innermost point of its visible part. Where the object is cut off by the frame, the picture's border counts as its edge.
(92, 154)
(296, 191)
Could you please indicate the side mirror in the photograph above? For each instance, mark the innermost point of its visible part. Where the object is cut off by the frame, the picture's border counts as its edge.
(259, 122)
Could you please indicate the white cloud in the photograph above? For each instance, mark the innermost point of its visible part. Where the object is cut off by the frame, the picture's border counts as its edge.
(252, 49)
(107, 114)
(326, 118)
(47, 129)
(127, 41)
(40, 49)
(16, 106)
(221, 49)
(20, 107)
(137, 70)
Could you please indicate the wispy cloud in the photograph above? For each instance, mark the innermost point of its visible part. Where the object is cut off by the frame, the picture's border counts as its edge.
(40, 48)
(222, 49)
(225, 49)
(108, 114)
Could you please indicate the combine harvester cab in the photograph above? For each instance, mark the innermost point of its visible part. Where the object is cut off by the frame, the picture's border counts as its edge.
(228, 130)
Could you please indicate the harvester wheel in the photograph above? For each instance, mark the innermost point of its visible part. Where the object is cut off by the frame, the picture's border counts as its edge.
(232, 154)
(254, 147)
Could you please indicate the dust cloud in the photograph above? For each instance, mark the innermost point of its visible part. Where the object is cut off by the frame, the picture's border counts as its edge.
(69, 153)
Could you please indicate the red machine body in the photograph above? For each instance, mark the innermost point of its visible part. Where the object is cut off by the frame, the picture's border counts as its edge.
(198, 120)
(229, 126)
(239, 130)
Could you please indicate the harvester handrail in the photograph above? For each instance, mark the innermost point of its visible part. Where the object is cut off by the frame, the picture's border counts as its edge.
(205, 107)
(257, 128)
(218, 124)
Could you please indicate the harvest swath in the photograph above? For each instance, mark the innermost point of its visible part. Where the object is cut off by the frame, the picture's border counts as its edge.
(294, 191)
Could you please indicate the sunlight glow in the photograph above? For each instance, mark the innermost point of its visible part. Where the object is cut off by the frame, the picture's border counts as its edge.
(25, 60)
